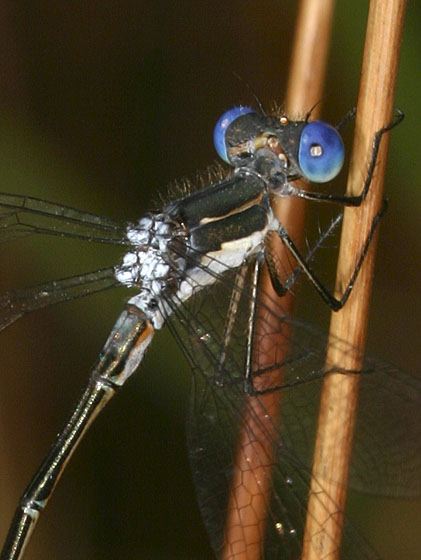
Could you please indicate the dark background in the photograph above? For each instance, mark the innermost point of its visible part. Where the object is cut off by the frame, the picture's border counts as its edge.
(101, 105)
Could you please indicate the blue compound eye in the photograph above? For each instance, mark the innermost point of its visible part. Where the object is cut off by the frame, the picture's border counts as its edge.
(221, 127)
(321, 152)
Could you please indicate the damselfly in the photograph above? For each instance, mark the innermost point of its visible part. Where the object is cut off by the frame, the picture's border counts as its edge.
(195, 266)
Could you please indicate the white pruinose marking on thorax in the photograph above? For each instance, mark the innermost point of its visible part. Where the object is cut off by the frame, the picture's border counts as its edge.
(148, 265)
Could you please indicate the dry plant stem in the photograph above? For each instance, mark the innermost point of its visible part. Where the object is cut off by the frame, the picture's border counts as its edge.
(340, 392)
(249, 499)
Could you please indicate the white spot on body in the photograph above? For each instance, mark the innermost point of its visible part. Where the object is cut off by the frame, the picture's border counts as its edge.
(147, 265)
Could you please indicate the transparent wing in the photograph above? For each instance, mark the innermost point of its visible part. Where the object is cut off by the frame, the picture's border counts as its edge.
(24, 215)
(16, 303)
(387, 456)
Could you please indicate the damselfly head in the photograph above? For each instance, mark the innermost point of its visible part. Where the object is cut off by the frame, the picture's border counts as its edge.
(311, 150)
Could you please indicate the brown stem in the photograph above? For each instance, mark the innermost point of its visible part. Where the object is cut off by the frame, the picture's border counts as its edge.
(340, 392)
(250, 488)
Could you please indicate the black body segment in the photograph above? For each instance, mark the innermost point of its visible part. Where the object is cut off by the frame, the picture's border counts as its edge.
(218, 200)
(210, 237)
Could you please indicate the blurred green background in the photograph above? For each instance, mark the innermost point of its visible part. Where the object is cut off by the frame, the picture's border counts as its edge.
(102, 104)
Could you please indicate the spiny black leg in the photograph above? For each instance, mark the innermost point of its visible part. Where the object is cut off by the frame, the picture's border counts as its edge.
(231, 318)
(350, 115)
(250, 373)
(346, 200)
(274, 266)
(334, 303)
(273, 262)
(251, 326)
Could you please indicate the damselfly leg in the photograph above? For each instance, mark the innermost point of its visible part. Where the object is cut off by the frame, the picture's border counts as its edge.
(334, 303)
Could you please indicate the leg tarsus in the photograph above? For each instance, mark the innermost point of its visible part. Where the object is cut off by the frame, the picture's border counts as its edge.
(350, 115)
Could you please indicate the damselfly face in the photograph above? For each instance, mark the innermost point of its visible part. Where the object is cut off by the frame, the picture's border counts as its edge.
(282, 148)
(195, 266)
